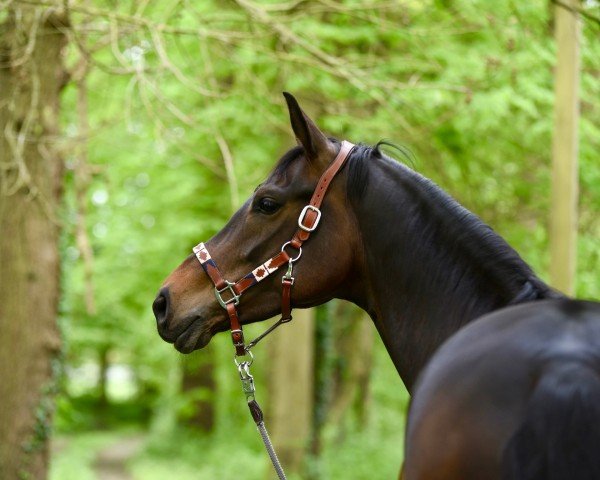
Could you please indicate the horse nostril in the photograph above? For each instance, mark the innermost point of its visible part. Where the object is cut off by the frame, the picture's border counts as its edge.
(160, 307)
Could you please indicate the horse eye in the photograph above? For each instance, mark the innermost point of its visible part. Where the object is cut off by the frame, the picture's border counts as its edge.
(267, 205)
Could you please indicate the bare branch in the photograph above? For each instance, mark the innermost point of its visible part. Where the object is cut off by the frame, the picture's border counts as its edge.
(581, 11)
(114, 43)
(143, 81)
(228, 162)
(160, 49)
(226, 36)
(141, 7)
(17, 139)
(32, 37)
(284, 7)
(4, 5)
(82, 181)
(337, 66)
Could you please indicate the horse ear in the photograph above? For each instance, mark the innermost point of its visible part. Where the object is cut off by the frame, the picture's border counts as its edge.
(307, 133)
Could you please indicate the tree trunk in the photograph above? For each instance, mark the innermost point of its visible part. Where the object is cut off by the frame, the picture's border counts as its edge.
(563, 221)
(353, 347)
(290, 389)
(322, 384)
(103, 366)
(31, 76)
(198, 386)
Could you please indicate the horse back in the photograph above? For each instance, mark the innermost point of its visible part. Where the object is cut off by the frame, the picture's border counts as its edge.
(475, 396)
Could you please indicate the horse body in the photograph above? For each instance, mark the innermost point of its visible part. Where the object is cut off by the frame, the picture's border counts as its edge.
(475, 401)
(423, 267)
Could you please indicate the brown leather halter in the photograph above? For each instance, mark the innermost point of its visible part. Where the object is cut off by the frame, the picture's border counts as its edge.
(307, 222)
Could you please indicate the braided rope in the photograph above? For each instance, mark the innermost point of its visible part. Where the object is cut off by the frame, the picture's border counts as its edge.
(270, 450)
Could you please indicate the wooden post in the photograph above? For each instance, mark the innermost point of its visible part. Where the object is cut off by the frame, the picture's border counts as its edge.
(563, 221)
(290, 390)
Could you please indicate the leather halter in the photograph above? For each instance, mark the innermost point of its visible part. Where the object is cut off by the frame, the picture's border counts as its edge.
(307, 222)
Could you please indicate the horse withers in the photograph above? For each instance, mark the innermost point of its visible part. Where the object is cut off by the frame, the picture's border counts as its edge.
(423, 267)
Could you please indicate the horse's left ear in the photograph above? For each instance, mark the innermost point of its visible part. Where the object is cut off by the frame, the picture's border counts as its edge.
(307, 133)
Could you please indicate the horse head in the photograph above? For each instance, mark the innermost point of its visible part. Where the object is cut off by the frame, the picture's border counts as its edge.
(187, 311)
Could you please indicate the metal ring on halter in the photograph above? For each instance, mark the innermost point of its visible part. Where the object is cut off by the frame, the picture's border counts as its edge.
(237, 364)
(295, 259)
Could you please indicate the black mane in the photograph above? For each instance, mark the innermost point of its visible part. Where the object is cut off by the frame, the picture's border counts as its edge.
(432, 218)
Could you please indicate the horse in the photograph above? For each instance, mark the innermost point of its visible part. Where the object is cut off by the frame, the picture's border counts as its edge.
(503, 371)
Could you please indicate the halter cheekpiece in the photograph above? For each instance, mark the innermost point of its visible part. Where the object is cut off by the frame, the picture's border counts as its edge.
(228, 293)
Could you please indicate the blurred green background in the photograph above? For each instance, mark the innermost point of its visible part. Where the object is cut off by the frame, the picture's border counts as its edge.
(177, 115)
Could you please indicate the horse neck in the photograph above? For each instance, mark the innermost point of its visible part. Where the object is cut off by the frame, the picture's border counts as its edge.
(430, 266)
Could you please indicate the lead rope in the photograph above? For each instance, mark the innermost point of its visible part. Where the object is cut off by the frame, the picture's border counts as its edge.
(248, 380)
(307, 222)
(256, 412)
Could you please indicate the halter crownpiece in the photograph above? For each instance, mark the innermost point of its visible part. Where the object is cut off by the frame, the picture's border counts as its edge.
(228, 293)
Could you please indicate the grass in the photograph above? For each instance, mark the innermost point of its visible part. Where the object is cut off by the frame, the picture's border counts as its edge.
(187, 456)
(73, 455)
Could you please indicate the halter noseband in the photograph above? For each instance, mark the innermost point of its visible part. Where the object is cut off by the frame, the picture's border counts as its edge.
(307, 222)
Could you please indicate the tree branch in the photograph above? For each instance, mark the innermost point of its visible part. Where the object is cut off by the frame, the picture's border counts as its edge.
(82, 181)
(224, 36)
(583, 12)
(228, 161)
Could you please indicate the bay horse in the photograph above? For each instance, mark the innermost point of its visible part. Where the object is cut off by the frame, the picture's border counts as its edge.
(515, 394)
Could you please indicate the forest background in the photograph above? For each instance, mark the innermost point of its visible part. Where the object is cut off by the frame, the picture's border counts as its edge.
(161, 117)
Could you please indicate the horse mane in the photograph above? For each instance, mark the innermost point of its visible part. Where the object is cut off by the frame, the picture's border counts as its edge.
(460, 225)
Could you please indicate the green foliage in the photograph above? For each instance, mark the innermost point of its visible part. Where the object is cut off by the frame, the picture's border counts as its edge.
(85, 412)
(466, 85)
